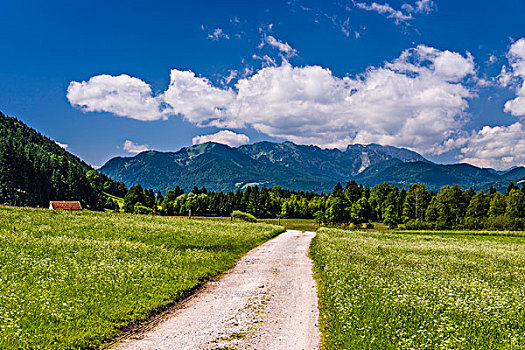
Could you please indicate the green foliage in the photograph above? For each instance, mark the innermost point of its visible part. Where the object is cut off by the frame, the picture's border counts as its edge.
(416, 202)
(418, 225)
(71, 280)
(141, 209)
(110, 204)
(354, 204)
(236, 214)
(477, 210)
(515, 210)
(379, 290)
(35, 170)
(336, 210)
(391, 218)
(497, 205)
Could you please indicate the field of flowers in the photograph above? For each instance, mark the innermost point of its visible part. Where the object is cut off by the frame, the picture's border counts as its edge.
(380, 290)
(74, 279)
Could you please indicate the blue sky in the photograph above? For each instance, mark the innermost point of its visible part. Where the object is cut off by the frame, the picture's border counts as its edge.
(110, 78)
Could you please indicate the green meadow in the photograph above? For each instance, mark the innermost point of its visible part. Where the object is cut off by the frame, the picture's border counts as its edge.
(387, 290)
(76, 279)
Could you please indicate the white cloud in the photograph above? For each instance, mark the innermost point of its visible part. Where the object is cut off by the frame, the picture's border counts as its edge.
(133, 147)
(267, 61)
(420, 6)
(345, 28)
(233, 74)
(121, 95)
(424, 6)
(226, 137)
(196, 99)
(516, 57)
(63, 145)
(498, 147)
(447, 65)
(505, 77)
(385, 9)
(416, 101)
(217, 34)
(284, 47)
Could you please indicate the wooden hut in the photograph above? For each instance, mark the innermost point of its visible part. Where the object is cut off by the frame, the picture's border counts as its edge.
(64, 205)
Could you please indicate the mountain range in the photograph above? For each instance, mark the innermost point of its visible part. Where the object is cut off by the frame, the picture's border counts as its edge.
(219, 167)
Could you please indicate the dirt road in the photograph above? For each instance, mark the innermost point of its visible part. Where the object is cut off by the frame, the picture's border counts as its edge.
(267, 301)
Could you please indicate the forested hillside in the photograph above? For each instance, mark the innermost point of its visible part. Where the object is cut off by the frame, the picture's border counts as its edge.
(435, 176)
(34, 170)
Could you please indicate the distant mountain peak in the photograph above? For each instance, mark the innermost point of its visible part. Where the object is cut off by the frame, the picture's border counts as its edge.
(221, 167)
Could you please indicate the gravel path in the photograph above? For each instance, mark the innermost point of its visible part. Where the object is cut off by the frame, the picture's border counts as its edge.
(267, 301)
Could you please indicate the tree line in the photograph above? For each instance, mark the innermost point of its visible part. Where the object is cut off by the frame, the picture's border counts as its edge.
(354, 204)
(34, 170)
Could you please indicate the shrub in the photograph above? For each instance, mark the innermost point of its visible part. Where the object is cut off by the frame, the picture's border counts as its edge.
(369, 225)
(140, 209)
(237, 214)
(418, 225)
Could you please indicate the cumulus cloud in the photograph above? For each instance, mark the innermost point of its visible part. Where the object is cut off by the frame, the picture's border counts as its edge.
(516, 57)
(196, 99)
(121, 95)
(283, 47)
(498, 147)
(133, 147)
(226, 137)
(415, 101)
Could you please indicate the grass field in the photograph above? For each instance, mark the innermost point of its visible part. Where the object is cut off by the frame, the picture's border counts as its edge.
(381, 290)
(73, 279)
(294, 224)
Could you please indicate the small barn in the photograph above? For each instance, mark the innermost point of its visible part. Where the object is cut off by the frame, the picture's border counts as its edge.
(63, 205)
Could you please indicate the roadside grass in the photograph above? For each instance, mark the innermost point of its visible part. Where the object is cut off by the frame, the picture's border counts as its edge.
(294, 224)
(466, 233)
(389, 290)
(74, 280)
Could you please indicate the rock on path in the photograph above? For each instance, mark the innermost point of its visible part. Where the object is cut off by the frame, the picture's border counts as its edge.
(267, 301)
